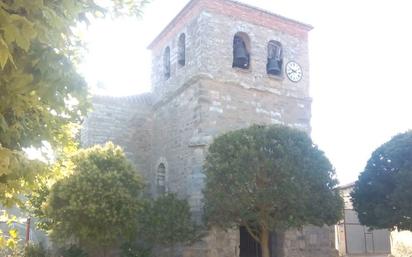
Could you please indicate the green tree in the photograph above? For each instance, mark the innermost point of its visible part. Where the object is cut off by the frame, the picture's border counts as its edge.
(97, 206)
(167, 221)
(382, 195)
(41, 92)
(269, 178)
(163, 222)
(36, 250)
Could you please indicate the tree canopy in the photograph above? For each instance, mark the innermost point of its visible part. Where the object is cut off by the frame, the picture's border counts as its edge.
(382, 195)
(41, 92)
(98, 205)
(167, 221)
(101, 205)
(269, 178)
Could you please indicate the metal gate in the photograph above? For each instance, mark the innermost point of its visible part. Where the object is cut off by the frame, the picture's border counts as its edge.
(361, 240)
(248, 246)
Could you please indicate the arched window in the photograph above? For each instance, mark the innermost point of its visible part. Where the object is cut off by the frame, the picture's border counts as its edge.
(275, 58)
(161, 179)
(166, 63)
(241, 50)
(181, 54)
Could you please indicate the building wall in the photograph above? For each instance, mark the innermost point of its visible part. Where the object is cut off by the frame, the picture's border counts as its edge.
(176, 121)
(179, 76)
(356, 239)
(401, 243)
(209, 41)
(126, 121)
(230, 105)
(311, 241)
(218, 32)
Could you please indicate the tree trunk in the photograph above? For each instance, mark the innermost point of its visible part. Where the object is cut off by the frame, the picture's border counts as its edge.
(264, 242)
(280, 242)
(103, 251)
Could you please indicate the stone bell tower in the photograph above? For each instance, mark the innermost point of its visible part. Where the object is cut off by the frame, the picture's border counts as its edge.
(222, 65)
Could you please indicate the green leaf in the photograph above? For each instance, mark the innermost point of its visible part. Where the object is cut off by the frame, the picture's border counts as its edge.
(13, 233)
(4, 54)
(3, 123)
(37, 77)
(104, 188)
(269, 177)
(21, 31)
(10, 33)
(382, 195)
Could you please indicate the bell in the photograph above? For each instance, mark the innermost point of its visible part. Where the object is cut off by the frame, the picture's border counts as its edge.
(273, 66)
(241, 58)
(240, 54)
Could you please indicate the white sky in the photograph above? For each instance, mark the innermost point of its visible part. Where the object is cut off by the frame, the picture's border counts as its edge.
(360, 56)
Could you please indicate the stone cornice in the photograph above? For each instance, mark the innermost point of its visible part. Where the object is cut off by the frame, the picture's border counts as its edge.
(236, 9)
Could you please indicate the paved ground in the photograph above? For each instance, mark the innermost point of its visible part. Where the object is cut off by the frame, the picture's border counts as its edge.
(356, 255)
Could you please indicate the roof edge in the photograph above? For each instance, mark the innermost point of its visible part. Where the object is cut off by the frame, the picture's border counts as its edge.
(192, 3)
(306, 26)
(143, 98)
(347, 185)
(175, 19)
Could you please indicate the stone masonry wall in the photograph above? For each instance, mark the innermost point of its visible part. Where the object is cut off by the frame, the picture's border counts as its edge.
(126, 121)
(178, 74)
(228, 106)
(311, 241)
(217, 55)
(241, 11)
(179, 143)
(209, 39)
(175, 123)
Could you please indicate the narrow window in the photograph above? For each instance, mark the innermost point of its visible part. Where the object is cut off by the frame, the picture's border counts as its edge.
(166, 63)
(182, 50)
(241, 46)
(161, 179)
(275, 58)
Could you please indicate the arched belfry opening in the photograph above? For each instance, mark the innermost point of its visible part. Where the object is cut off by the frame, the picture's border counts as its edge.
(275, 58)
(241, 51)
(161, 179)
(181, 54)
(166, 63)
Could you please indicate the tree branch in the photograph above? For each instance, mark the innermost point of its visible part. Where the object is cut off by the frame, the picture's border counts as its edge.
(253, 235)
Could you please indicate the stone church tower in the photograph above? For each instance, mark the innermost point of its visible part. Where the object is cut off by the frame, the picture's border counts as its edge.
(219, 65)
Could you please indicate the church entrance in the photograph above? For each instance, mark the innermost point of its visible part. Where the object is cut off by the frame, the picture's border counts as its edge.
(250, 248)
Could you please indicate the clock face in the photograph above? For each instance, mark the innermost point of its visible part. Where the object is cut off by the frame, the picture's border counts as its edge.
(294, 71)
